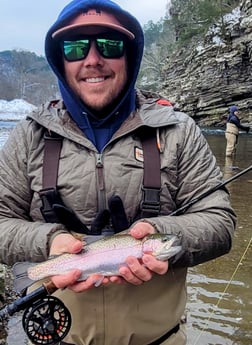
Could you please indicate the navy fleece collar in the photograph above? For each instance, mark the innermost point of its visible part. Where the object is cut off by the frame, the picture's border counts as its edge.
(98, 131)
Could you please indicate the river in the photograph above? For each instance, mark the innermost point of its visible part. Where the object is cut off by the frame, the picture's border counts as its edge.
(219, 292)
(219, 308)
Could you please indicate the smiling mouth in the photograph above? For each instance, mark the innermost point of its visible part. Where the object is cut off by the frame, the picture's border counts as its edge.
(95, 80)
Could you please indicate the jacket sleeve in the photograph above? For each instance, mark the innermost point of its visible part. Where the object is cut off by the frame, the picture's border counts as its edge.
(236, 121)
(21, 238)
(205, 230)
(244, 128)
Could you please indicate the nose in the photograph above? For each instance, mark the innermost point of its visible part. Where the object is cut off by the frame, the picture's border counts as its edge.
(93, 57)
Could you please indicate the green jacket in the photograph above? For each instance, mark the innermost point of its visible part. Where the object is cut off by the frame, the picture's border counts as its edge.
(114, 314)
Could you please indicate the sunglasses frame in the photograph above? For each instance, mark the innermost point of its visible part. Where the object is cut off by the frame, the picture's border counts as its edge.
(91, 38)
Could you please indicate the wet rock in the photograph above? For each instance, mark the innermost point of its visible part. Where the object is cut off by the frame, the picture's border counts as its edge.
(210, 75)
(2, 283)
(7, 295)
(3, 324)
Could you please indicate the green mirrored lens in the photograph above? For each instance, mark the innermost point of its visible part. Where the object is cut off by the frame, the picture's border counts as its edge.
(76, 50)
(109, 48)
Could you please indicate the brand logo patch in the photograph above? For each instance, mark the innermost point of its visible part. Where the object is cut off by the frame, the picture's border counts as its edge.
(139, 154)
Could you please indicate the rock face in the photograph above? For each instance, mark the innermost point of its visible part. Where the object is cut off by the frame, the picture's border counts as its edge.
(207, 78)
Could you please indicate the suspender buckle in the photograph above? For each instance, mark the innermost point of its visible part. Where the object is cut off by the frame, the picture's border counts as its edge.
(49, 196)
(151, 201)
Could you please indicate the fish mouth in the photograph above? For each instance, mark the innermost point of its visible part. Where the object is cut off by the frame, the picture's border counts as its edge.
(166, 252)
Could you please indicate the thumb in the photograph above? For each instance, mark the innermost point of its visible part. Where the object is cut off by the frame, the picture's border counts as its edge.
(65, 243)
(141, 229)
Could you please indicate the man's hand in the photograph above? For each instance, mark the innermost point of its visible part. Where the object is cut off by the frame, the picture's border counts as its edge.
(140, 271)
(66, 243)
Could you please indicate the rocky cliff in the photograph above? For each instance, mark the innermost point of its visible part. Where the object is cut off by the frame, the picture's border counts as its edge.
(216, 72)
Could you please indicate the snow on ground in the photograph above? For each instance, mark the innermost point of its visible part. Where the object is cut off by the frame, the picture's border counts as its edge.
(14, 110)
(10, 113)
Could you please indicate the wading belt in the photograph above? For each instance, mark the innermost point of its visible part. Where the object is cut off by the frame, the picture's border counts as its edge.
(156, 342)
(53, 208)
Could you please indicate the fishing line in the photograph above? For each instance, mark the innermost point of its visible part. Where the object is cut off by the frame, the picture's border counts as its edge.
(225, 290)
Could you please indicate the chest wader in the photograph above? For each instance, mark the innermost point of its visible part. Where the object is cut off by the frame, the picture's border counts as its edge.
(54, 210)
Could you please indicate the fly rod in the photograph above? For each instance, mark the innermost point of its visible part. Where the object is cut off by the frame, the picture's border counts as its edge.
(182, 209)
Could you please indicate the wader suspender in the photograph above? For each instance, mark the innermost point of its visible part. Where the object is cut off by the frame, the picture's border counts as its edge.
(150, 205)
(49, 194)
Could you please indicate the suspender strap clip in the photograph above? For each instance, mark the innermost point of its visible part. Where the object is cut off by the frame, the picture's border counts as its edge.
(151, 189)
(49, 196)
(151, 201)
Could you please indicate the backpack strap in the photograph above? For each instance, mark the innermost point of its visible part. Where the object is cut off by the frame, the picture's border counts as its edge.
(49, 194)
(150, 205)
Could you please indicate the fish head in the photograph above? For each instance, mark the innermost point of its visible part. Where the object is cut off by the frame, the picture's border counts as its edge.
(167, 247)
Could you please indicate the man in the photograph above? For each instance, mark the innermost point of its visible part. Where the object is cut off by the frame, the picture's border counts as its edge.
(95, 50)
(232, 130)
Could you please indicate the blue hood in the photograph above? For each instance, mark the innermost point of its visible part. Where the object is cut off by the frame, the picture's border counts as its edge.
(232, 109)
(99, 131)
(231, 114)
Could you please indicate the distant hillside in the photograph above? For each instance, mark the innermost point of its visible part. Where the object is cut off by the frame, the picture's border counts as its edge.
(24, 75)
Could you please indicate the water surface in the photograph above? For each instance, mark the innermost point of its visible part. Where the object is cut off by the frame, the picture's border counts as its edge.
(219, 308)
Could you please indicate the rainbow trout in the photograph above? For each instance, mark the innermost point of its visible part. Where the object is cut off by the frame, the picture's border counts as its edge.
(106, 256)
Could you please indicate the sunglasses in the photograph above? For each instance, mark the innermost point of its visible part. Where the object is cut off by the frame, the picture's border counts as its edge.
(78, 49)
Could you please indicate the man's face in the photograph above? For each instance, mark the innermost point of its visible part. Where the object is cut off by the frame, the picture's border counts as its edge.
(97, 80)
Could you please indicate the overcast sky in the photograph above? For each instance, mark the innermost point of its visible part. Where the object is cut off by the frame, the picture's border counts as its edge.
(24, 23)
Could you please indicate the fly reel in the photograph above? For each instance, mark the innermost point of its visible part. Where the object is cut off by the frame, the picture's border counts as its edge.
(46, 321)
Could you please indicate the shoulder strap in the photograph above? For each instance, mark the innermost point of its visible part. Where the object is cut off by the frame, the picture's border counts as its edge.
(49, 194)
(53, 144)
(53, 208)
(150, 205)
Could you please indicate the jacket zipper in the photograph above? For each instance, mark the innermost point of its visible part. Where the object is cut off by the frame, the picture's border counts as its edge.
(101, 184)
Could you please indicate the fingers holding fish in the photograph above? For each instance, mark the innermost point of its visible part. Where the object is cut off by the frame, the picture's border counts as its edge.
(136, 273)
(71, 281)
(117, 280)
(91, 282)
(154, 265)
(65, 280)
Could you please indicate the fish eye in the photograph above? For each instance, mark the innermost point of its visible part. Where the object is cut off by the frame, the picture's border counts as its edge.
(166, 238)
